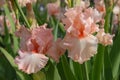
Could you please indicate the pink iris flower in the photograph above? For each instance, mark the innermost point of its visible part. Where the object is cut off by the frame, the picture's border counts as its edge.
(80, 49)
(8, 24)
(24, 2)
(53, 8)
(100, 6)
(2, 2)
(34, 44)
(104, 38)
(80, 24)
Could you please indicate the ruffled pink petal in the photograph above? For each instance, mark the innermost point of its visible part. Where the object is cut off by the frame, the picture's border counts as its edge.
(8, 25)
(84, 3)
(80, 50)
(55, 51)
(100, 6)
(72, 12)
(2, 25)
(24, 2)
(30, 62)
(81, 22)
(24, 35)
(66, 22)
(33, 47)
(53, 8)
(43, 37)
(104, 38)
(116, 9)
(2, 2)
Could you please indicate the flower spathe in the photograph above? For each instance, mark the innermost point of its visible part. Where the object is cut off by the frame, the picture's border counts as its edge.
(33, 47)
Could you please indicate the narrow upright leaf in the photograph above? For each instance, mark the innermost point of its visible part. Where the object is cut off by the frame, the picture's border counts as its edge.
(8, 56)
(98, 63)
(68, 73)
(115, 56)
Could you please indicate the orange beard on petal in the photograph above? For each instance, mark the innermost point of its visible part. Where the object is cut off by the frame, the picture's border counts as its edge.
(79, 26)
(100, 8)
(36, 46)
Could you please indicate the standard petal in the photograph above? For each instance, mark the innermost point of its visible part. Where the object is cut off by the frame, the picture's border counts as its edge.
(43, 37)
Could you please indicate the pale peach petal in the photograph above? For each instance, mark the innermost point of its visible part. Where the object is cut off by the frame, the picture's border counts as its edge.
(100, 35)
(80, 50)
(72, 12)
(107, 39)
(84, 3)
(38, 39)
(8, 24)
(24, 2)
(100, 6)
(55, 51)
(116, 10)
(31, 62)
(53, 8)
(115, 19)
(1, 25)
(24, 35)
(43, 37)
(96, 15)
(104, 38)
(2, 2)
(33, 47)
(84, 26)
(80, 23)
(67, 23)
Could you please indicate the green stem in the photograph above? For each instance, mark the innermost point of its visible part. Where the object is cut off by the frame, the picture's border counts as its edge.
(7, 12)
(86, 71)
(109, 8)
(22, 14)
(56, 31)
(15, 42)
(107, 20)
(8, 56)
